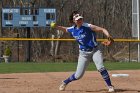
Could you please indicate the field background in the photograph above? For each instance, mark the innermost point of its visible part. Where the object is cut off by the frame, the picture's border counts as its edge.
(114, 15)
(46, 78)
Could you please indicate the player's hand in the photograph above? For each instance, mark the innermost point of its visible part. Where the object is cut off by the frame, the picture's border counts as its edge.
(108, 42)
(53, 24)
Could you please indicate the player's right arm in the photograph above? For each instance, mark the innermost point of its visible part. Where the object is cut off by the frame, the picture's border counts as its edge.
(62, 28)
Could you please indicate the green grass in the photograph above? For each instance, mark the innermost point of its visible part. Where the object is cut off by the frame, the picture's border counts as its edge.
(60, 67)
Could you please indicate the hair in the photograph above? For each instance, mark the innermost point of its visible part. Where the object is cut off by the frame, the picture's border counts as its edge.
(71, 16)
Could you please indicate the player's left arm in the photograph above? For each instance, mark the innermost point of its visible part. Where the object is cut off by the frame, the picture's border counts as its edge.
(103, 30)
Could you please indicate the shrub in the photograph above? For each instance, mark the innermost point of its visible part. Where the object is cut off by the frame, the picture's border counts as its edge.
(7, 51)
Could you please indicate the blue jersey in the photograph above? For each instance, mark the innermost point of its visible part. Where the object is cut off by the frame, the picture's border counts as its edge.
(84, 35)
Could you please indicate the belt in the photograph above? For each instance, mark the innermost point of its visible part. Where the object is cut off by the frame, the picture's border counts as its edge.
(87, 50)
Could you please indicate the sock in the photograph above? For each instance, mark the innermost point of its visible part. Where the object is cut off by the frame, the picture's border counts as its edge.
(71, 78)
(105, 76)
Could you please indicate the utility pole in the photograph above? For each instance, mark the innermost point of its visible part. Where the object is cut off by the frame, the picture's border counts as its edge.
(0, 26)
(0, 17)
(135, 23)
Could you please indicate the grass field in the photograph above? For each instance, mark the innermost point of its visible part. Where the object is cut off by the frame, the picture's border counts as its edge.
(60, 67)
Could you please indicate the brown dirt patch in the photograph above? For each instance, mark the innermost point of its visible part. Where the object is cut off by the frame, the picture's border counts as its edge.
(49, 82)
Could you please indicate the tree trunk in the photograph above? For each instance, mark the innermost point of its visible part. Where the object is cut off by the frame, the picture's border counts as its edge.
(58, 43)
(52, 46)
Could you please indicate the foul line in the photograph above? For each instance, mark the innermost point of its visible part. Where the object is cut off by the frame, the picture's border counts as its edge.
(49, 39)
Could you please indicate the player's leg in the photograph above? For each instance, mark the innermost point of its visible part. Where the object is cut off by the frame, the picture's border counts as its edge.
(81, 67)
(98, 60)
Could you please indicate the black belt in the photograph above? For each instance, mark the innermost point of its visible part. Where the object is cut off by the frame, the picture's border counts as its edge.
(87, 50)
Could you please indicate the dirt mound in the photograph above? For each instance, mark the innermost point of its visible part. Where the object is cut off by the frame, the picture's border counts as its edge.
(49, 82)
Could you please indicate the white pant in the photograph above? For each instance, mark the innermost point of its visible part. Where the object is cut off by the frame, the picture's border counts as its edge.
(83, 61)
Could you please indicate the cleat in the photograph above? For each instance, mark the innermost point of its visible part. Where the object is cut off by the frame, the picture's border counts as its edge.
(62, 86)
(111, 89)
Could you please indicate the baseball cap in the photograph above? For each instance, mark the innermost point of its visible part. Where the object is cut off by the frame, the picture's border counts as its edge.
(77, 17)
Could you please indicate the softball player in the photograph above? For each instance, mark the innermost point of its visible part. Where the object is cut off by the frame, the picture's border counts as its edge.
(85, 35)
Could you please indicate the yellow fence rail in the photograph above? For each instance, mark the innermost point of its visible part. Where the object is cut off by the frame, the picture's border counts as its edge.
(49, 39)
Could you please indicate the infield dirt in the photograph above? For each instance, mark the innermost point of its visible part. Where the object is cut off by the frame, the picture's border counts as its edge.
(49, 82)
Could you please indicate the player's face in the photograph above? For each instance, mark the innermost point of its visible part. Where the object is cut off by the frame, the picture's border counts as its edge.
(79, 22)
(78, 19)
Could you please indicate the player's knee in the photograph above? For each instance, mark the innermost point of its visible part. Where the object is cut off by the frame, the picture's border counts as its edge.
(101, 69)
(78, 76)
